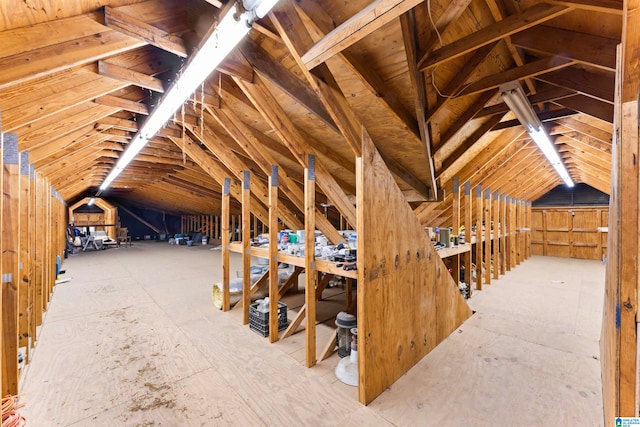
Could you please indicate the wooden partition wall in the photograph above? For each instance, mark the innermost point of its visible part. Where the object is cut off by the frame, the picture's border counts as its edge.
(407, 301)
(32, 230)
(570, 232)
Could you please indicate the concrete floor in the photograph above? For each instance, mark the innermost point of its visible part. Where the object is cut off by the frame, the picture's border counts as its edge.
(134, 340)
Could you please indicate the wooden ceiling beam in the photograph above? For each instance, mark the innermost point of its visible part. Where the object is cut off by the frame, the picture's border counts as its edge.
(44, 61)
(478, 164)
(213, 169)
(546, 95)
(236, 65)
(453, 88)
(46, 153)
(595, 85)
(605, 6)
(55, 103)
(590, 106)
(140, 30)
(590, 142)
(130, 76)
(532, 16)
(543, 116)
(273, 71)
(593, 50)
(318, 28)
(285, 129)
(60, 124)
(363, 23)
(587, 130)
(238, 130)
(122, 103)
(292, 31)
(529, 70)
(467, 144)
(463, 119)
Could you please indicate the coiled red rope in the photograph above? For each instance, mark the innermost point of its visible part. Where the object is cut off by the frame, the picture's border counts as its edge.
(10, 415)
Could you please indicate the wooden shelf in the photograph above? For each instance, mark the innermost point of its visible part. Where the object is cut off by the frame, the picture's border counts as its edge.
(321, 265)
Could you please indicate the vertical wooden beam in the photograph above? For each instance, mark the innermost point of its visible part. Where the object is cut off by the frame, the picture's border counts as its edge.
(503, 235)
(226, 304)
(273, 255)
(488, 236)
(33, 271)
(479, 239)
(246, 246)
(468, 222)
(496, 235)
(309, 259)
(10, 275)
(24, 264)
(528, 224)
(514, 233)
(455, 260)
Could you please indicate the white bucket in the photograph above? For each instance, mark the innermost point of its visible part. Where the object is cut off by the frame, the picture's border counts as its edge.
(204, 240)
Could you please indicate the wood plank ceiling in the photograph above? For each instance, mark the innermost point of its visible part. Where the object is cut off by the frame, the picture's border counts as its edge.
(78, 77)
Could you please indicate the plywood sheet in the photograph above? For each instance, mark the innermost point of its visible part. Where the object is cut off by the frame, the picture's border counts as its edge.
(407, 301)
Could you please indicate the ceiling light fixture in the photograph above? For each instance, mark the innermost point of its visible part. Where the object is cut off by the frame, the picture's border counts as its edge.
(220, 42)
(515, 98)
(91, 201)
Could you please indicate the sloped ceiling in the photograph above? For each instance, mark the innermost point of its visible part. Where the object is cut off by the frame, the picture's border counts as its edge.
(78, 77)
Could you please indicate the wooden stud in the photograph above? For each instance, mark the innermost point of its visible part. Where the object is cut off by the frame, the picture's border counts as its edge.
(273, 255)
(246, 246)
(479, 238)
(455, 260)
(10, 275)
(503, 235)
(24, 264)
(468, 222)
(225, 237)
(309, 258)
(488, 233)
(495, 243)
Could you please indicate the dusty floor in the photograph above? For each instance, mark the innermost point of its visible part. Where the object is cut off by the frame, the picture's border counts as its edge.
(134, 340)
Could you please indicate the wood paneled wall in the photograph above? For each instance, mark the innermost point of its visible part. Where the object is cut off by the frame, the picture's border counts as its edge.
(32, 230)
(570, 232)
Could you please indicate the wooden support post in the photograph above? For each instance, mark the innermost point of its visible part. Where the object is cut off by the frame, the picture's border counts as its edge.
(479, 237)
(455, 260)
(39, 256)
(519, 227)
(503, 235)
(514, 233)
(309, 258)
(488, 233)
(24, 261)
(10, 275)
(246, 246)
(273, 255)
(528, 224)
(225, 245)
(495, 243)
(33, 271)
(468, 221)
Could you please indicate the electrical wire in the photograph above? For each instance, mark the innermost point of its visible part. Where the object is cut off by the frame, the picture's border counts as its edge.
(10, 415)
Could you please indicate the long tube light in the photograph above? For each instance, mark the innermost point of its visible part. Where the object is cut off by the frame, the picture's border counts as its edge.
(516, 100)
(222, 40)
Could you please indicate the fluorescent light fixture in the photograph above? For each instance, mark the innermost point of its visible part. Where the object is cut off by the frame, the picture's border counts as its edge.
(91, 201)
(518, 103)
(222, 40)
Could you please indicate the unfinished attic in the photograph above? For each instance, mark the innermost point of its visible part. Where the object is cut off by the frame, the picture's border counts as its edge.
(439, 200)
